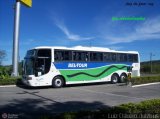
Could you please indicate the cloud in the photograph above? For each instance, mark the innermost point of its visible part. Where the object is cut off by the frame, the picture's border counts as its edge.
(114, 32)
(151, 26)
(148, 30)
(66, 31)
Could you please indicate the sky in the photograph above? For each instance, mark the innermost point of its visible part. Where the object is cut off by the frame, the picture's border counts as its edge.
(83, 22)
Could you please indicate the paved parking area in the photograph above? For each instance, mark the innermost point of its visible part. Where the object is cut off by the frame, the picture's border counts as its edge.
(71, 98)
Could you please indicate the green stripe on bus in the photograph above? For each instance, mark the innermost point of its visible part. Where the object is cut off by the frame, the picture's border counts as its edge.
(91, 74)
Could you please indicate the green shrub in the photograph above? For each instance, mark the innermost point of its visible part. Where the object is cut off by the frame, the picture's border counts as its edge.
(148, 106)
(143, 80)
(4, 72)
(144, 107)
(10, 81)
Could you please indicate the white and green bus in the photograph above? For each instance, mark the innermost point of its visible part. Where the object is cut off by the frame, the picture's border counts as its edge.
(59, 66)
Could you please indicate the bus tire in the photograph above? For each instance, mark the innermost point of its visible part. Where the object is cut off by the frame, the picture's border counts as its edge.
(114, 78)
(57, 82)
(123, 77)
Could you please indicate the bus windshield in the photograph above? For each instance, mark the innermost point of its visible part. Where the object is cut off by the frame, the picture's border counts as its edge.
(29, 66)
(37, 62)
(29, 62)
(30, 53)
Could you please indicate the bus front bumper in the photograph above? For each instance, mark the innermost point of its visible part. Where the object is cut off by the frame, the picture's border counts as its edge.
(28, 80)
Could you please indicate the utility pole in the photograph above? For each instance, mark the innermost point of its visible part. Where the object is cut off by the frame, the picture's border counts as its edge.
(15, 57)
(16, 40)
(151, 68)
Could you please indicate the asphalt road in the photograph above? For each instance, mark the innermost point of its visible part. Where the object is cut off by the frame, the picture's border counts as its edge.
(23, 101)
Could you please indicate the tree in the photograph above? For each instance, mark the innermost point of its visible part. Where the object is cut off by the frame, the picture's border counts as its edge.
(2, 56)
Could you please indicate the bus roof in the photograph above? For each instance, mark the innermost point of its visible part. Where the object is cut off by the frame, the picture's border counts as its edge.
(82, 48)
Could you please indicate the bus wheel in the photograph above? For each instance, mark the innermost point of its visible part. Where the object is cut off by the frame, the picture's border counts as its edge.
(57, 82)
(114, 78)
(123, 77)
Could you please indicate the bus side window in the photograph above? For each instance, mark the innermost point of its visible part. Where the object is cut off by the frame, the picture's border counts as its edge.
(135, 58)
(67, 55)
(58, 56)
(129, 58)
(124, 57)
(121, 57)
(99, 56)
(96, 56)
(62, 55)
(80, 56)
(76, 56)
(84, 56)
(118, 57)
(113, 57)
(132, 57)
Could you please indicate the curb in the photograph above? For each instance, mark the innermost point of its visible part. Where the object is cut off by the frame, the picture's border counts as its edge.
(3, 86)
(146, 84)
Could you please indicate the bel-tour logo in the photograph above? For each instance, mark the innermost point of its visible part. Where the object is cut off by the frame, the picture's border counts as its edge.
(77, 65)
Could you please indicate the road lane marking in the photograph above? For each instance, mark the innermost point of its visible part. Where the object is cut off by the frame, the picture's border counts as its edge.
(91, 91)
(147, 84)
(4, 86)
